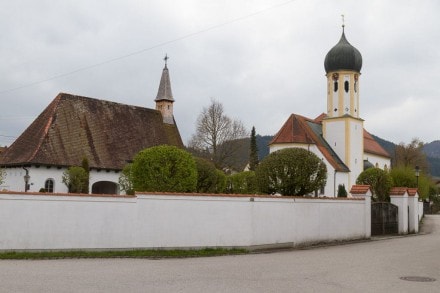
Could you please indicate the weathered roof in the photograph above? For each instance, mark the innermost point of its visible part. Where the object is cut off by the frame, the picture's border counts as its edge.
(371, 146)
(164, 92)
(299, 129)
(72, 127)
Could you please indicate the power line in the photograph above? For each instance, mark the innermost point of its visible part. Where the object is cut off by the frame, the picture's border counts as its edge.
(146, 49)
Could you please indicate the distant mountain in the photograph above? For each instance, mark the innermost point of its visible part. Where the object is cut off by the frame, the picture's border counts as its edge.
(432, 149)
(387, 145)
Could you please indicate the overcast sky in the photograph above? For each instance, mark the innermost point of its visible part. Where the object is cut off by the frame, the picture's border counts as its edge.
(262, 59)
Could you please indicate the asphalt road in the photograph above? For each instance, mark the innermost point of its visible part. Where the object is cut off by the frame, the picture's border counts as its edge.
(373, 266)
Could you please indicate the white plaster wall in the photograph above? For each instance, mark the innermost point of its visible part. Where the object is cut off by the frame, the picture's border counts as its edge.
(103, 175)
(14, 180)
(379, 160)
(402, 203)
(165, 221)
(420, 204)
(334, 134)
(356, 163)
(65, 222)
(413, 214)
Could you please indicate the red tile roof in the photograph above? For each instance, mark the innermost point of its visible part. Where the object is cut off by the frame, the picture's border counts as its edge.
(299, 129)
(412, 191)
(398, 190)
(294, 130)
(371, 146)
(360, 189)
(72, 127)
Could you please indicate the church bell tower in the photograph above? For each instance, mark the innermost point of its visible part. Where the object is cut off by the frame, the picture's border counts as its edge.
(164, 99)
(343, 127)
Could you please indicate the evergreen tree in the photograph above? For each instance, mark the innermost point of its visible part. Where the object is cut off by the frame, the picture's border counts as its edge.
(85, 166)
(342, 192)
(253, 157)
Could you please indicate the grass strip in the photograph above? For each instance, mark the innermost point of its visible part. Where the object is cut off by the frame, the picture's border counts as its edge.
(121, 253)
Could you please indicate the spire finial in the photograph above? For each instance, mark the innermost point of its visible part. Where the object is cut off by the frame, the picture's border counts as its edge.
(343, 21)
(166, 59)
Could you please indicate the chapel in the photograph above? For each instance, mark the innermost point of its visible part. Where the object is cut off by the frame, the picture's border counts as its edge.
(107, 134)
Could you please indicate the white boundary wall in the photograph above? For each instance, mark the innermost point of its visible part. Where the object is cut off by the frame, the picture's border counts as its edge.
(36, 221)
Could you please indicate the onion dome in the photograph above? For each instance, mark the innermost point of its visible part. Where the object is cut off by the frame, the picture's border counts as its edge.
(343, 56)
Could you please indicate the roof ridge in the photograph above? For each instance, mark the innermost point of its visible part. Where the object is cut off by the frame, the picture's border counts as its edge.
(56, 101)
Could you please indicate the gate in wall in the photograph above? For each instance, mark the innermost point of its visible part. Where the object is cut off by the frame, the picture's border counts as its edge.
(384, 218)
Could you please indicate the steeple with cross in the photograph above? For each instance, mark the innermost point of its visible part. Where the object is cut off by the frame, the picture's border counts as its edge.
(164, 99)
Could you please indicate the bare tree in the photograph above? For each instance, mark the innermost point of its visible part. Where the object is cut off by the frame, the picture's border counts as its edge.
(411, 155)
(216, 134)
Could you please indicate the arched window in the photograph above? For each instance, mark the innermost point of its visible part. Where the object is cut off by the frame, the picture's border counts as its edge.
(377, 165)
(346, 86)
(385, 167)
(49, 184)
(335, 86)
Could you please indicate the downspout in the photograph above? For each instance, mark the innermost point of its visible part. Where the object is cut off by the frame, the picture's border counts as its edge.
(26, 179)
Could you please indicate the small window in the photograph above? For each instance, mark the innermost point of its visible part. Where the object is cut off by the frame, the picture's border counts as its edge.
(346, 86)
(355, 86)
(48, 185)
(322, 190)
(335, 86)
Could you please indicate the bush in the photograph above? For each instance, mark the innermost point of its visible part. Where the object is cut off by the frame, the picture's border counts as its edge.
(243, 183)
(380, 182)
(207, 176)
(76, 179)
(291, 171)
(342, 192)
(126, 180)
(164, 168)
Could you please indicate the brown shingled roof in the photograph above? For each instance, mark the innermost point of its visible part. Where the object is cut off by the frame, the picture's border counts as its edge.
(72, 127)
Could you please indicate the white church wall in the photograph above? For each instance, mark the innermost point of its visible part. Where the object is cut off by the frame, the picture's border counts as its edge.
(277, 147)
(36, 221)
(356, 163)
(378, 161)
(334, 134)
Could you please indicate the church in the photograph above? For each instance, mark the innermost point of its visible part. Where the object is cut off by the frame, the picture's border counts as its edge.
(338, 136)
(73, 128)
